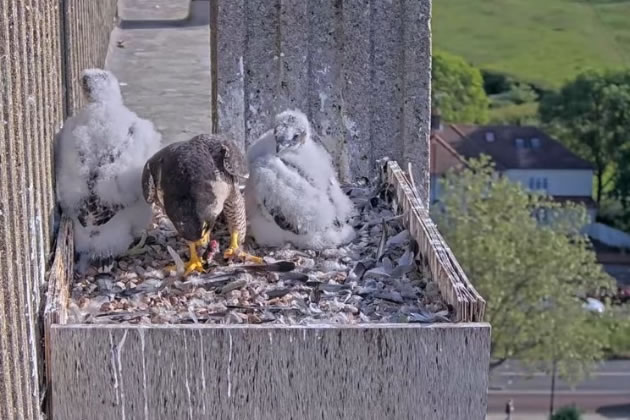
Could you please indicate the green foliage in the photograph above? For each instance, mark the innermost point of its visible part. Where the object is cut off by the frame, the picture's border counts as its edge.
(522, 93)
(612, 213)
(618, 325)
(458, 90)
(591, 115)
(541, 41)
(495, 82)
(525, 114)
(621, 178)
(620, 340)
(511, 102)
(567, 413)
(530, 273)
(519, 94)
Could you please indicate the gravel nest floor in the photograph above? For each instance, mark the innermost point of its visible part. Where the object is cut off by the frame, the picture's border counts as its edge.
(378, 278)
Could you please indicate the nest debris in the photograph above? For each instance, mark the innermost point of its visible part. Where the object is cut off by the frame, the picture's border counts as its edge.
(380, 277)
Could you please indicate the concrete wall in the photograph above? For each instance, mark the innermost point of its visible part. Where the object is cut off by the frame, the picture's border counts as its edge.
(40, 56)
(359, 68)
(437, 372)
(87, 25)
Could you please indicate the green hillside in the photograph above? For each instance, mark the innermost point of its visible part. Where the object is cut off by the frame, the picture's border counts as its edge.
(539, 41)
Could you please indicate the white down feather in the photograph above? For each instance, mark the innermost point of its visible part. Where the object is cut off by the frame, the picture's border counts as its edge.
(313, 204)
(97, 131)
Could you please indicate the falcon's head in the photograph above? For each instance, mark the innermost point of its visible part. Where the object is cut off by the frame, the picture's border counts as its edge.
(100, 86)
(291, 130)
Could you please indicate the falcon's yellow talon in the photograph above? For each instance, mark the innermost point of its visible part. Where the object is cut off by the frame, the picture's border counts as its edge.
(255, 259)
(234, 251)
(230, 253)
(194, 264)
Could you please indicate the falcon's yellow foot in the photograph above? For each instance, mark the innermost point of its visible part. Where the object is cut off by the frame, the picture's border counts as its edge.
(195, 263)
(234, 251)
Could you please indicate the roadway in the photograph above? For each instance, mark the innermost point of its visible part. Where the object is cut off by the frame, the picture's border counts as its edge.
(606, 391)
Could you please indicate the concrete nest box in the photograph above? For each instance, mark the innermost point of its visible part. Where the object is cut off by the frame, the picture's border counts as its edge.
(361, 72)
(363, 370)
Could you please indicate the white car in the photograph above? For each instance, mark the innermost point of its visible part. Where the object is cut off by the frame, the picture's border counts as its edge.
(594, 305)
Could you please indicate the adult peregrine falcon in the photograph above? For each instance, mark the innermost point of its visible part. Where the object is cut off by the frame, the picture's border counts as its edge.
(99, 155)
(194, 181)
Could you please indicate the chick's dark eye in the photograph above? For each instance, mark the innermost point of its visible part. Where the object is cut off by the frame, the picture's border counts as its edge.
(295, 136)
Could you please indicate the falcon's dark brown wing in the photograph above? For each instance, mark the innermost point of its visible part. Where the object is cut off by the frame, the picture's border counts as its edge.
(149, 183)
(181, 178)
(234, 160)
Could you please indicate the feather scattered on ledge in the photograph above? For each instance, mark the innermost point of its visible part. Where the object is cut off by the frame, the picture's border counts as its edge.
(379, 277)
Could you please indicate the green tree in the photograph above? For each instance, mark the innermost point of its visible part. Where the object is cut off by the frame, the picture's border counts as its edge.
(567, 413)
(458, 89)
(591, 114)
(530, 272)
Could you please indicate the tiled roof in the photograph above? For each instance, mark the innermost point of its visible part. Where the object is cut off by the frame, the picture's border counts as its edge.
(511, 147)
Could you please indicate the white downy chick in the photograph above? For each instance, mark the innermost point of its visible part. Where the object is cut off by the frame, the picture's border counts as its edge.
(292, 193)
(99, 156)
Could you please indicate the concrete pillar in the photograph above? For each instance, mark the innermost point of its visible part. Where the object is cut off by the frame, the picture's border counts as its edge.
(360, 69)
(40, 55)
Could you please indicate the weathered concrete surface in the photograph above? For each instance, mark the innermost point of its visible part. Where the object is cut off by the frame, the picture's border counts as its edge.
(359, 68)
(40, 54)
(455, 288)
(256, 372)
(154, 10)
(87, 26)
(164, 69)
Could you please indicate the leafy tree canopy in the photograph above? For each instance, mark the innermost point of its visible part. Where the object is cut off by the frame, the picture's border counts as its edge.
(591, 114)
(531, 273)
(567, 413)
(458, 89)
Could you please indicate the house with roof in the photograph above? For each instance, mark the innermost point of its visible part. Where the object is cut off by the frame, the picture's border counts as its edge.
(524, 154)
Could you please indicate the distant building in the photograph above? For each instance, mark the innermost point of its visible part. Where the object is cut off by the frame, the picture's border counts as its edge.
(524, 154)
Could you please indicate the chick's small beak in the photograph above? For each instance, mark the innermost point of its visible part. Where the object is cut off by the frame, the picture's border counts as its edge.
(283, 145)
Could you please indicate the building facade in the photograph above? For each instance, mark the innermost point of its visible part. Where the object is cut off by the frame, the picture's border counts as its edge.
(524, 154)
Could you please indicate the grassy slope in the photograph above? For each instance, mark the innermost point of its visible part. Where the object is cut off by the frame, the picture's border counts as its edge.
(542, 41)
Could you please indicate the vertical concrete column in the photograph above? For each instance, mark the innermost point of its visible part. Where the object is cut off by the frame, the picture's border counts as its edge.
(33, 54)
(360, 69)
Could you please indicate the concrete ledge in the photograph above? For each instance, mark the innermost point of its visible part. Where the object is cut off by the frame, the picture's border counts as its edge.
(258, 372)
(165, 70)
(367, 371)
(147, 10)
